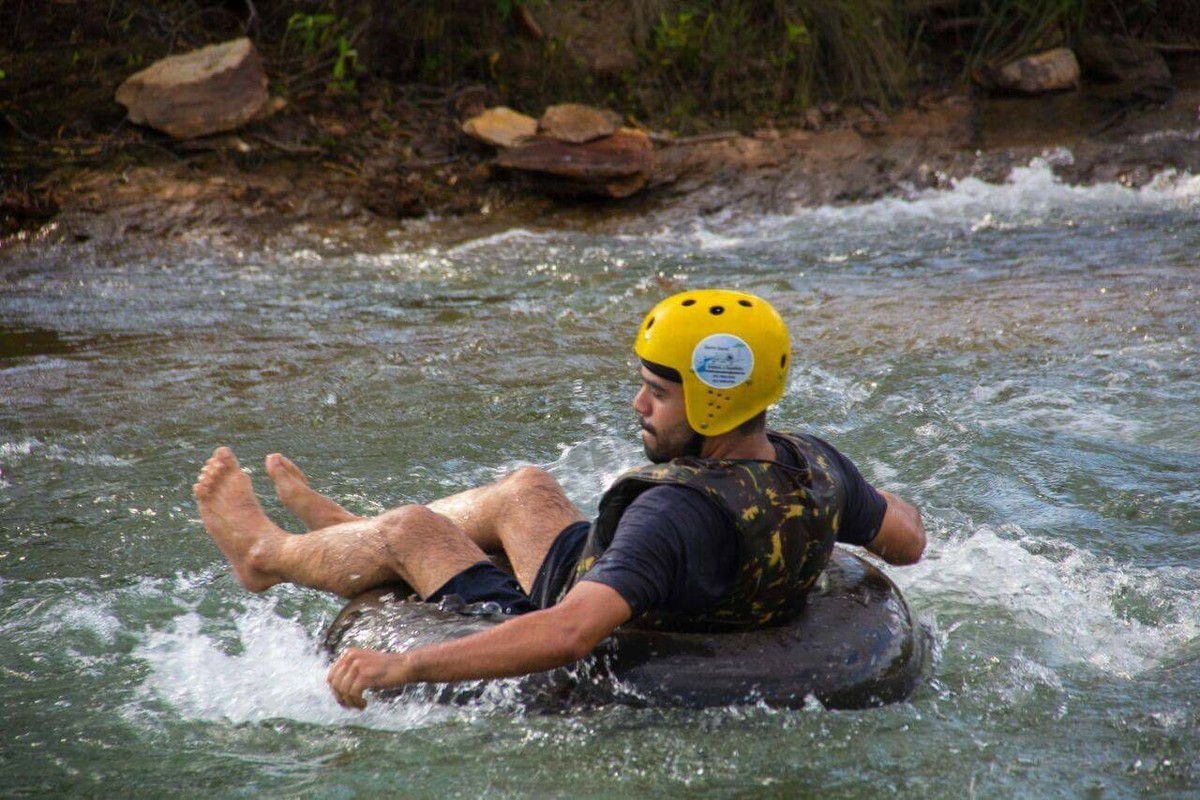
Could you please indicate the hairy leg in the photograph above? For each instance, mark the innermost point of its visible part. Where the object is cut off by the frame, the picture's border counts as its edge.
(412, 543)
(233, 517)
(520, 515)
(314, 509)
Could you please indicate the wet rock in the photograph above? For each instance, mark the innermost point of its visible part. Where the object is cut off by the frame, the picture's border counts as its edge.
(577, 124)
(1052, 71)
(211, 90)
(615, 166)
(1120, 59)
(25, 208)
(501, 127)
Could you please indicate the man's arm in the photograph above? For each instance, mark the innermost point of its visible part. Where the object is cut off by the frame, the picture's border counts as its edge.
(901, 537)
(533, 642)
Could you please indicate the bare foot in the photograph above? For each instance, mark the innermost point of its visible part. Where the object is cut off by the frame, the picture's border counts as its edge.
(236, 522)
(314, 509)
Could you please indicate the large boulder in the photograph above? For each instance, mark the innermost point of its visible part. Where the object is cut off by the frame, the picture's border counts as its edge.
(1052, 71)
(614, 166)
(575, 123)
(214, 89)
(500, 127)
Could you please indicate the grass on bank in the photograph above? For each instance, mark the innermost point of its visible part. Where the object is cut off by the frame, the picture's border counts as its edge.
(691, 64)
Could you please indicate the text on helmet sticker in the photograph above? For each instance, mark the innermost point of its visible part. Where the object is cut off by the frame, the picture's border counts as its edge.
(722, 361)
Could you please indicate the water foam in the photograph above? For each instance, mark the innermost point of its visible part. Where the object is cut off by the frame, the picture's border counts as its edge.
(1032, 196)
(1008, 402)
(67, 612)
(12, 452)
(507, 238)
(586, 469)
(1120, 620)
(272, 670)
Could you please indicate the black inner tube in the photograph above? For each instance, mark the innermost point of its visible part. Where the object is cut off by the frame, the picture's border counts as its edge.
(856, 645)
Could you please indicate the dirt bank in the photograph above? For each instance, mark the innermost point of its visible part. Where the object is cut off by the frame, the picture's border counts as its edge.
(370, 163)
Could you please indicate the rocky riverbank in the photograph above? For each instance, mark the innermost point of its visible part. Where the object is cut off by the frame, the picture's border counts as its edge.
(331, 164)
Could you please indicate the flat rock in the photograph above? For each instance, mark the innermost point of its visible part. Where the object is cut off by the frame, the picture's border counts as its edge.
(1051, 71)
(501, 127)
(577, 124)
(614, 166)
(211, 90)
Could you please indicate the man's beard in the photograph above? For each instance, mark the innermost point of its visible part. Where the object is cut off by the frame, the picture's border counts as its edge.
(681, 441)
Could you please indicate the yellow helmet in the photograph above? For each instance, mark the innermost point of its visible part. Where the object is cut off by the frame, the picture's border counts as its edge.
(730, 348)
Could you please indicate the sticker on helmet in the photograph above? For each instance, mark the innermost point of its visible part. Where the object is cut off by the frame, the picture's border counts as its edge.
(722, 361)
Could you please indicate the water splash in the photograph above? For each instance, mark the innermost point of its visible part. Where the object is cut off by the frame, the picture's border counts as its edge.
(1088, 610)
(1032, 196)
(271, 670)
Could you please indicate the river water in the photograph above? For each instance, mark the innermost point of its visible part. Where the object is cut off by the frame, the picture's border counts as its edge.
(1022, 361)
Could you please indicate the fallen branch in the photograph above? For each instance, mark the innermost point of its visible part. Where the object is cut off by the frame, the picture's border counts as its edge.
(527, 22)
(1165, 47)
(333, 165)
(703, 138)
(27, 136)
(431, 162)
(292, 149)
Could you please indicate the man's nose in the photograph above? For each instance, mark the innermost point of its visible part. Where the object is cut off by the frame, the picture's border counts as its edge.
(639, 402)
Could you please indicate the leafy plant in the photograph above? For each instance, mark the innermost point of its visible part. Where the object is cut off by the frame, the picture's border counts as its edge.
(313, 30)
(324, 41)
(344, 66)
(754, 62)
(1014, 28)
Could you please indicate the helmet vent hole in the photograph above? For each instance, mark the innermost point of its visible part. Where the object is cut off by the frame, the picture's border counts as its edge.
(650, 323)
(717, 311)
(689, 302)
(783, 361)
(745, 303)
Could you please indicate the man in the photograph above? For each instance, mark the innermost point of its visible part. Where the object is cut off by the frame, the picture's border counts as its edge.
(726, 530)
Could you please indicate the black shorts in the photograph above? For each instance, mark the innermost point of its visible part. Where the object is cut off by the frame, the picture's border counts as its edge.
(483, 583)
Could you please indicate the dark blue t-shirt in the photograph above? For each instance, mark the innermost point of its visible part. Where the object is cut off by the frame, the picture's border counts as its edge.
(676, 550)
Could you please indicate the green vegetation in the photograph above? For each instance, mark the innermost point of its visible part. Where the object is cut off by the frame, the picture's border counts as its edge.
(694, 63)
(683, 65)
(753, 62)
(324, 45)
(1009, 29)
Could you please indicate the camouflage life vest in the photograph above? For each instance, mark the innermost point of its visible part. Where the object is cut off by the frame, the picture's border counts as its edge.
(786, 520)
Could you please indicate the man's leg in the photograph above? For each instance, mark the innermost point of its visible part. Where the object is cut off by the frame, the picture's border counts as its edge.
(520, 515)
(412, 543)
(313, 508)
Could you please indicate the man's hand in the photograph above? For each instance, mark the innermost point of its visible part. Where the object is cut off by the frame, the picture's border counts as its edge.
(533, 642)
(358, 670)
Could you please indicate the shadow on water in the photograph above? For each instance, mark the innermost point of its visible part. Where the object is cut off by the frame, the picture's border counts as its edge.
(28, 342)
